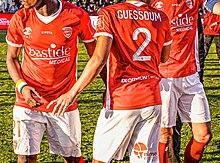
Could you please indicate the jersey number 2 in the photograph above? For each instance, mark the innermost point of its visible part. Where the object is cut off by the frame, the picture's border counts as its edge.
(136, 56)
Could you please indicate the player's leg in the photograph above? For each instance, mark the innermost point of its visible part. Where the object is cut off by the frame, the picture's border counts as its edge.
(113, 133)
(201, 137)
(95, 161)
(201, 55)
(73, 160)
(163, 148)
(64, 135)
(27, 159)
(175, 142)
(208, 41)
(217, 43)
(28, 129)
(170, 97)
(194, 108)
(143, 146)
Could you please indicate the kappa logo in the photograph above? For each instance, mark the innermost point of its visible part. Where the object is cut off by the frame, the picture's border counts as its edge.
(159, 5)
(141, 151)
(27, 32)
(67, 31)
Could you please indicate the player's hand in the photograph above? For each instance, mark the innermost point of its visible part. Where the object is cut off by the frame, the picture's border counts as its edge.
(28, 93)
(62, 103)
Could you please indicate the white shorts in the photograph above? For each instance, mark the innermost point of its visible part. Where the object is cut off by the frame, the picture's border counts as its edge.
(63, 132)
(185, 95)
(136, 130)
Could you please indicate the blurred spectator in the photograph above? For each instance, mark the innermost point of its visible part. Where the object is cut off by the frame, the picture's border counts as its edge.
(8, 3)
(119, 1)
(212, 32)
(93, 11)
(92, 7)
(13, 8)
(18, 3)
(3, 6)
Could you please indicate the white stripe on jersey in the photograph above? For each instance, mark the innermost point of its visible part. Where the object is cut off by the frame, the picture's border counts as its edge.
(88, 41)
(14, 45)
(168, 43)
(197, 51)
(136, 3)
(108, 98)
(103, 34)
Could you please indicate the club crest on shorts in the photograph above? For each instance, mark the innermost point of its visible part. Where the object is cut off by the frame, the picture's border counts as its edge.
(67, 31)
(141, 151)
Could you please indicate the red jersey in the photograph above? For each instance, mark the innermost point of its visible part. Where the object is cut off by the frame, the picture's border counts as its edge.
(139, 33)
(211, 24)
(183, 16)
(50, 49)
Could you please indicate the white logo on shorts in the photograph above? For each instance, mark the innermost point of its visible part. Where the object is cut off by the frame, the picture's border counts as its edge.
(141, 151)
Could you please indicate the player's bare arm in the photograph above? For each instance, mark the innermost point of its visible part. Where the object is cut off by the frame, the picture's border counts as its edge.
(90, 49)
(13, 66)
(92, 69)
(165, 53)
(95, 64)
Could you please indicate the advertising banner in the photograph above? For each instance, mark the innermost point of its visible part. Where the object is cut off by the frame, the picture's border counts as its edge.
(4, 20)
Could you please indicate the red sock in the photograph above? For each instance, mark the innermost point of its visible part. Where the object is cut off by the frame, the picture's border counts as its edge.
(163, 152)
(194, 151)
(81, 160)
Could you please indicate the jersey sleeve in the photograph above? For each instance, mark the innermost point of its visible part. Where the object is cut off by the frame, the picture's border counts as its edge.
(86, 30)
(14, 36)
(103, 24)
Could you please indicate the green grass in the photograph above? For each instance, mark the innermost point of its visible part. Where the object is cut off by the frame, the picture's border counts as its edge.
(90, 103)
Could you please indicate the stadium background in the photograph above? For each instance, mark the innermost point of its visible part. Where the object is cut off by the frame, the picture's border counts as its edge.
(91, 6)
(90, 103)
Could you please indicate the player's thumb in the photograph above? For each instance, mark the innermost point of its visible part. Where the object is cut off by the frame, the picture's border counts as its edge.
(36, 93)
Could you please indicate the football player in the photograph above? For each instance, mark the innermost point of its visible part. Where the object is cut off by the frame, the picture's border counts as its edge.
(48, 31)
(132, 40)
(181, 89)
